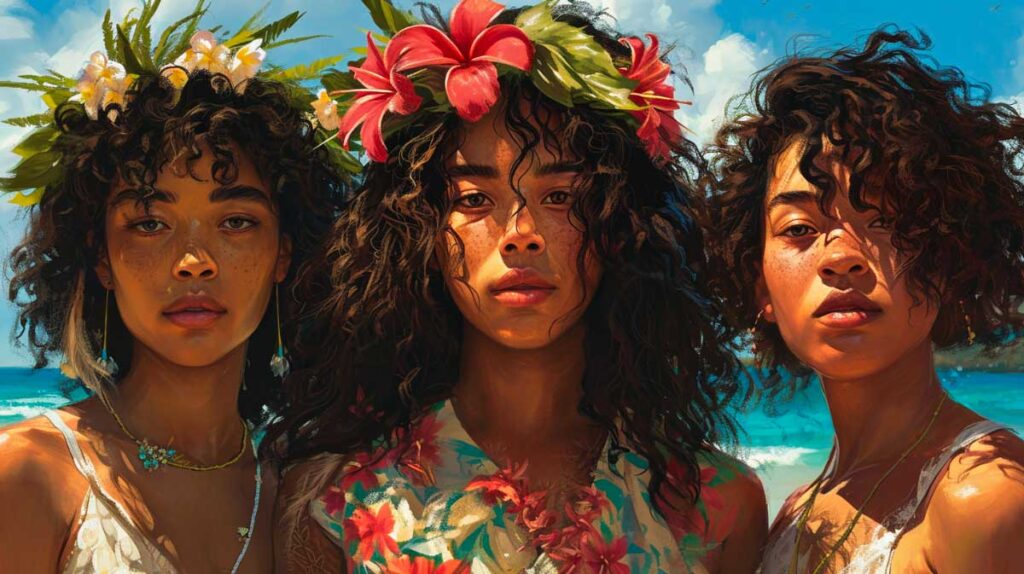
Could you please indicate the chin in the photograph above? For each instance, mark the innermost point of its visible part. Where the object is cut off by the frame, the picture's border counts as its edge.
(839, 364)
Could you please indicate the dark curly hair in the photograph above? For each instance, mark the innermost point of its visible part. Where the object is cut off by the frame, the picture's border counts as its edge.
(941, 161)
(383, 339)
(59, 296)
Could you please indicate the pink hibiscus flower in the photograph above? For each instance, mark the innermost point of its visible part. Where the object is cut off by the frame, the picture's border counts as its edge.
(659, 129)
(385, 90)
(470, 53)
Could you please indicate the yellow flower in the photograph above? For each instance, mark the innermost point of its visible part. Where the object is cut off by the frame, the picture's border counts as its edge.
(102, 82)
(205, 54)
(326, 110)
(175, 74)
(246, 63)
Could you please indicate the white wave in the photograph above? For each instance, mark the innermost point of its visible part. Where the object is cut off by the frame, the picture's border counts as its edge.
(29, 407)
(764, 456)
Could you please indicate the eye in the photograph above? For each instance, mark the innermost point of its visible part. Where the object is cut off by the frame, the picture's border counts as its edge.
(239, 223)
(560, 197)
(148, 226)
(798, 230)
(881, 222)
(473, 201)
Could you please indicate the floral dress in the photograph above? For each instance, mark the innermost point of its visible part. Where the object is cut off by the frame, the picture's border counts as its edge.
(447, 508)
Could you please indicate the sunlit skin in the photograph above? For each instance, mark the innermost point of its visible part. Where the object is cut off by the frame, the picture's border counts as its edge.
(222, 246)
(873, 354)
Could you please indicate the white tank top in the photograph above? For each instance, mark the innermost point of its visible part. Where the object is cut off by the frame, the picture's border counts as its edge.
(106, 539)
(875, 556)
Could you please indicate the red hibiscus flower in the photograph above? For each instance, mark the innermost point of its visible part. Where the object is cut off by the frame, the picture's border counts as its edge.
(600, 557)
(421, 565)
(373, 531)
(469, 54)
(385, 90)
(658, 128)
(507, 486)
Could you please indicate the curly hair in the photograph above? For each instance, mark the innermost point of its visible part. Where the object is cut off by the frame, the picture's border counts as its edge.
(384, 335)
(59, 296)
(940, 161)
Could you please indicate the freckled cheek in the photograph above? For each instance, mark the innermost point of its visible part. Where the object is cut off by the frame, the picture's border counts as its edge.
(480, 241)
(790, 278)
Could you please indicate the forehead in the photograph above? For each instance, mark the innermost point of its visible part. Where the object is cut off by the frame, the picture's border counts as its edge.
(185, 176)
(784, 173)
(490, 141)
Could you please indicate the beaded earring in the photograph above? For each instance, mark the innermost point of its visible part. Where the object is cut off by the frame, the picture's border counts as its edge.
(967, 319)
(105, 361)
(279, 364)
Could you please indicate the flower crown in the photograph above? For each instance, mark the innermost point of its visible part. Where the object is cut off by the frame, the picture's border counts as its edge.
(103, 87)
(424, 69)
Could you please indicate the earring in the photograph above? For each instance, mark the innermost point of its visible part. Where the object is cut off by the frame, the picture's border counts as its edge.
(967, 319)
(105, 361)
(753, 331)
(279, 364)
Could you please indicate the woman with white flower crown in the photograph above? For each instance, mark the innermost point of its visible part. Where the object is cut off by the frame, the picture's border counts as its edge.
(170, 197)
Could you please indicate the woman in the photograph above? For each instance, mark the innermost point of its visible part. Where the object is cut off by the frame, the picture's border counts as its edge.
(513, 353)
(184, 200)
(868, 210)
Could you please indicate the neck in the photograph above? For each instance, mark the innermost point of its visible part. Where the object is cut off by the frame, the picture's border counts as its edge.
(193, 409)
(877, 417)
(521, 393)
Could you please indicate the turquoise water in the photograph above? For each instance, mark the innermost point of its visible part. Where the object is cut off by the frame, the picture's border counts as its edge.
(786, 443)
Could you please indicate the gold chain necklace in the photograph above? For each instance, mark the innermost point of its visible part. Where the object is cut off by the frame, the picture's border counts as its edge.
(806, 512)
(152, 456)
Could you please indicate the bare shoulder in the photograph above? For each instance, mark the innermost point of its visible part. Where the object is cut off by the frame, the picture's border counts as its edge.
(980, 501)
(40, 492)
(735, 482)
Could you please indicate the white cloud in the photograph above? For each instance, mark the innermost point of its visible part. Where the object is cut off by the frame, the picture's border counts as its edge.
(727, 68)
(14, 28)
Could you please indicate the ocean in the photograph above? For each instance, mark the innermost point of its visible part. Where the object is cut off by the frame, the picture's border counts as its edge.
(786, 443)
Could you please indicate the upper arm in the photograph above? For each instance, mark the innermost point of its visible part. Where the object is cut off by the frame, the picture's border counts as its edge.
(744, 500)
(301, 545)
(36, 517)
(976, 516)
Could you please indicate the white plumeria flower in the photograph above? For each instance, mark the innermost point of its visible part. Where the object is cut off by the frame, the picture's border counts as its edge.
(205, 54)
(175, 74)
(246, 63)
(326, 110)
(102, 82)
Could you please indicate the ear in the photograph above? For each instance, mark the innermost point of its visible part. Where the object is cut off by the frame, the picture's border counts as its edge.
(102, 268)
(284, 259)
(764, 300)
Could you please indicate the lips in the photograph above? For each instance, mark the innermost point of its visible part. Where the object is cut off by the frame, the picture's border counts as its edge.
(521, 287)
(847, 310)
(194, 311)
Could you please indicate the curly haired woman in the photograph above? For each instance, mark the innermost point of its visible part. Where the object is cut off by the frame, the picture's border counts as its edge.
(869, 208)
(512, 349)
(182, 199)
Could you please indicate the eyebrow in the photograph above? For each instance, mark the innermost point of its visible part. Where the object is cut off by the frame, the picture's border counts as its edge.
(791, 198)
(221, 194)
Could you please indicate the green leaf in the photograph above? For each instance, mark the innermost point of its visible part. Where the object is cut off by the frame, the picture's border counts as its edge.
(570, 66)
(36, 120)
(23, 200)
(55, 81)
(56, 97)
(108, 34)
(32, 172)
(387, 17)
(129, 60)
(335, 80)
(305, 71)
(293, 41)
(169, 38)
(274, 30)
(38, 141)
(25, 86)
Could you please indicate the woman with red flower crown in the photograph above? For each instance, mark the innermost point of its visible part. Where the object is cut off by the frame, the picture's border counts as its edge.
(511, 364)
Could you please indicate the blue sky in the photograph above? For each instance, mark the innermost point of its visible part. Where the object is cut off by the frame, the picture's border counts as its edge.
(721, 43)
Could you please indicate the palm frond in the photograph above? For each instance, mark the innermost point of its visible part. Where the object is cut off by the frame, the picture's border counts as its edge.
(169, 38)
(305, 71)
(36, 120)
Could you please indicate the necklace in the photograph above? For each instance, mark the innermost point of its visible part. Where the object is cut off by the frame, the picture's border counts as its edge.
(153, 456)
(806, 512)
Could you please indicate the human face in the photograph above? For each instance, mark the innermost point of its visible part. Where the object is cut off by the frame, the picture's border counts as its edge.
(522, 287)
(193, 273)
(830, 279)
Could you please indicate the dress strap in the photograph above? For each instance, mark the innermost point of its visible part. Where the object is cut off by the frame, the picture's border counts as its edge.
(82, 462)
(966, 438)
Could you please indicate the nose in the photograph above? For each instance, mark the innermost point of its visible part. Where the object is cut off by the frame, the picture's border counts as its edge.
(521, 236)
(195, 263)
(843, 259)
